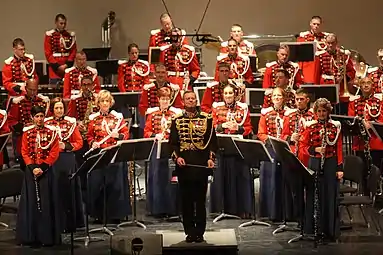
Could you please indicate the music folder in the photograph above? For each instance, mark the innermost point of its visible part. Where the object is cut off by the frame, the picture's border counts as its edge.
(95, 54)
(301, 51)
(122, 99)
(349, 124)
(107, 67)
(329, 91)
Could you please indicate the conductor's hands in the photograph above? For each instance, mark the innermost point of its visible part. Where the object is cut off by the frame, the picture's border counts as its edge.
(37, 172)
(180, 161)
(210, 163)
(339, 175)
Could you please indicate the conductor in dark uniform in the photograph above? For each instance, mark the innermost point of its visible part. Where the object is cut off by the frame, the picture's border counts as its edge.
(193, 142)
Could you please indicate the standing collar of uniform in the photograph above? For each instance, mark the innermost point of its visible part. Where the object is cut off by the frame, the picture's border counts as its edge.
(368, 96)
(191, 114)
(304, 111)
(158, 85)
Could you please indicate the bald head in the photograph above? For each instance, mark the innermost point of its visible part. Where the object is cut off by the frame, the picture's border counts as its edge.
(332, 42)
(31, 87)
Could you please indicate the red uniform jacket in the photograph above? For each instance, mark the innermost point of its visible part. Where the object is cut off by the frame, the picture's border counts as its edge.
(271, 123)
(67, 132)
(239, 113)
(158, 122)
(296, 78)
(289, 100)
(60, 48)
(73, 77)
(309, 68)
(149, 97)
(16, 71)
(239, 67)
(312, 138)
(132, 76)
(293, 122)
(78, 106)
(40, 146)
(180, 62)
(370, 110)
(157, 38)
(376, 74)
(101, 127)
(245, 48)
(329, 68)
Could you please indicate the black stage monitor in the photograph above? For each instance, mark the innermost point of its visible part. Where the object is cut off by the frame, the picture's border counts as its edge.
(95, 54)
(329, 91)
(301, 51)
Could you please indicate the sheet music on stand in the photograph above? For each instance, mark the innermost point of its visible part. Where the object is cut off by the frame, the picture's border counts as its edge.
(234, 148)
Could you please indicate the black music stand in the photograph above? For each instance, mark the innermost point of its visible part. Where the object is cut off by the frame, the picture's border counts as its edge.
(254, 118)
(255, 98)
(329, 91)
(95, 54)
(132, 150)
(106, 68)
(248, 149)
(130, 99)
(301, 51)
(154, 55)
(226, 147)
(88, 166)
(377, 128)
(349, 125)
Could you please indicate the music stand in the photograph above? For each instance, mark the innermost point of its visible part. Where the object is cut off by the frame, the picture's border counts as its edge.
(248, 149)
(199, 91)
(254, 118)
(132, 150)
(255, 98)
(95, 54)
(154, 55)
(3, 140)
(132, 99)
(377, 128)
(301, 51)
(329, 91)
(226, 147)
(86, 167)
(349, 126)
(106, 68)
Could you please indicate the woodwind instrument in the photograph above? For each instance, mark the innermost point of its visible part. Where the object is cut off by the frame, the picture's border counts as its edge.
(278, 123)
(323, 145)
(297, 122)
(37, 189)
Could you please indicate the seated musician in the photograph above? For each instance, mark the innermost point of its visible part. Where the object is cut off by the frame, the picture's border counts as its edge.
(233, 176)
(133, 73)
(20, 112)
(244, 47)
(239, 64)
(105, 128)
(376, 73)
(74, 75)
(295, 76)
(322, 140)
(36, 218)
(70, 140)
(282, 78)
(367, 107)
(161, 200)
(271, 188)
(4, 129)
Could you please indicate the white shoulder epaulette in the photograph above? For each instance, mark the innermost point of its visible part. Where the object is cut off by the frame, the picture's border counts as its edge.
(72, 33)
(372, 69)
(29, 56)
(93, 70)
(311, 110)
(212, 84)
(165, 47)
(18, 99)
(326, 33)
(310, 123)
(222, 56)
(174, 86)
(151, 110)
(335, 123)
(320, 52)
(155, 31)
(264, 111)
(175, 110)
(116, 114)
(3, 112)
(94, 115)
(8, 60)
(144, 62)
(50, 32)
(49, 118)
(123, 61)
(44, 98)
(149, 86)
(75, 96)
(268, 91)
(290, 111)
(218, 104)
(25, 129)
(51, 127)
(378, 96)
(70, 69)
(189, 47)
(303, 34)
(296, 65)
(224, 44)
(242, 105)
(354, 97)
(347, 52)
(70, 119)
(248, 44)
(270, 64)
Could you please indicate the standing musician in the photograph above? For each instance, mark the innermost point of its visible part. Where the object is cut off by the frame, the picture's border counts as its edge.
(133, 74)
(244, 46)
(36, 218)
(314, 35)
(161, 37)
(74, 74)
(60, 49)
(282, 78)
(149, 96)
(271, 124)
(269, 79)
(17, 69)
(232, 117)
(181, 61)
(239, 64)
(70, 140)
(105, 128)
(376, 73)
(20, 112)
(160, 195)
(322, 140)
(367, 107)
(194, 143)
(4, 129)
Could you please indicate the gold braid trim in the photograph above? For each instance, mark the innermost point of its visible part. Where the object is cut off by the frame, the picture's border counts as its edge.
(191, 128)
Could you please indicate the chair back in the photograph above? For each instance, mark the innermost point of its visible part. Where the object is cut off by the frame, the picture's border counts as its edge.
(353, 169)
(373, 180)
(11, 182)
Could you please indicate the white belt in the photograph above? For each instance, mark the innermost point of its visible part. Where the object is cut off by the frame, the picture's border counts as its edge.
(172, 73)
(328, 77)
(60, 54)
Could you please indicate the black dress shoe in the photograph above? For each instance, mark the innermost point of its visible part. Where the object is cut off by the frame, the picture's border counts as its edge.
(199, 239)
(190, 239)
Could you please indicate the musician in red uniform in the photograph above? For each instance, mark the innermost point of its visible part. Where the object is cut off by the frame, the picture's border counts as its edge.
(269, 79)
(232, 180)
(239, 64)
(74, 74)
(271, 188)
(314, 35)
(20, 112)
(322, 141)
(244, 46)
(149, 96)
(133, 74)
(367, 107)
(60, 49)
(160, 195)
(158, 36)
(37, 223)
(17, 69)
(181, 61)
(105, 128)
(4, 129)
(70, 140)
(376, 73)
(282, 78)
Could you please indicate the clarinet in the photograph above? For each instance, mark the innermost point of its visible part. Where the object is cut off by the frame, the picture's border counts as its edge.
(366, 148)
(296, 131)
(37, 189)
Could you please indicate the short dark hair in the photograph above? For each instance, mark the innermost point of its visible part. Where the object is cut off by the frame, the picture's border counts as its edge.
(131, 46)
(236, 25)
(159, 65)
(55, 101)
(60, 16)
(317, 17)
(223, 65)
(188, 92)
(301, 91)
(285, 73)
(36, 109)
(86, 77)
(18, 41)
(232, 39)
